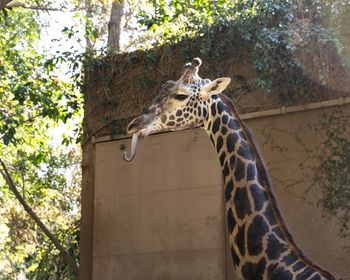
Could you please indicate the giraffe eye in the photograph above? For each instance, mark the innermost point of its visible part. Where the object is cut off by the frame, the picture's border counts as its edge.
(180, 97)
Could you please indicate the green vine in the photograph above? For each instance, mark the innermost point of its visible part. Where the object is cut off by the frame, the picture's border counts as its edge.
(332, 175)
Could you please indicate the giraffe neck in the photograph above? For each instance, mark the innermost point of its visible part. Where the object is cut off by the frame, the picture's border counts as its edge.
(261, 245)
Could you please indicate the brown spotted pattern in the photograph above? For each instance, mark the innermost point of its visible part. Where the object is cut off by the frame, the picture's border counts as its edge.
(259, 248)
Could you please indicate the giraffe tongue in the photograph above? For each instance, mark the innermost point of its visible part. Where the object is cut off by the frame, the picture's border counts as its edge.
(134, 142)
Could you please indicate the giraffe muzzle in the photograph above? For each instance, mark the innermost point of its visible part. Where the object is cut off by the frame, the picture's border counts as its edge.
(138, 123)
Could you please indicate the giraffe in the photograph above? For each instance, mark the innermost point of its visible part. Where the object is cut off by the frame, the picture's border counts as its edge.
(260, 242)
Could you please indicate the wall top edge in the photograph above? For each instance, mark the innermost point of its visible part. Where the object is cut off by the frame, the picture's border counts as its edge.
(341, 101)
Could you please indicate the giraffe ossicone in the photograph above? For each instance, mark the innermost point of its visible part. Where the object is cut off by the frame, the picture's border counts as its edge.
(260, 243)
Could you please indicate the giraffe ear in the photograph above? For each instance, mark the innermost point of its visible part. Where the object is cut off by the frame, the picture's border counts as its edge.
(215, 87)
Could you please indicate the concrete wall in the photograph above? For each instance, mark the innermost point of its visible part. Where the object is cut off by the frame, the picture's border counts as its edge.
(161, 216)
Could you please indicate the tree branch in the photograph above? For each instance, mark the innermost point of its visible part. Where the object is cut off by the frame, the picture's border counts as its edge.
(4, 3)
(68, 259)
(9, 5)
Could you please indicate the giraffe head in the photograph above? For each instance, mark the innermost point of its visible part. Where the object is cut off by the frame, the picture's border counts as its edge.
(178, 105)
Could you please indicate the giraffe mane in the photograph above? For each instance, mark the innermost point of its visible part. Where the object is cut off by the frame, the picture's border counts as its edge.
(267, 183)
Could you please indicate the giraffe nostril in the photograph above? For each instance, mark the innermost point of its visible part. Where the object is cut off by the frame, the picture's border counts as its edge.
(135, 124)
(138, 123)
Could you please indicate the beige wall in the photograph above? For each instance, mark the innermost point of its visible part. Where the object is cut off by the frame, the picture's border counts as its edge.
(161, 216)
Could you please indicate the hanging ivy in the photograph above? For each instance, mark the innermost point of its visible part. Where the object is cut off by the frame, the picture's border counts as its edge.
(274, 30)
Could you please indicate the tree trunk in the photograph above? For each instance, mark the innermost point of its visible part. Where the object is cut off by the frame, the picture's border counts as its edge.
(116, 25)
(88, 18)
